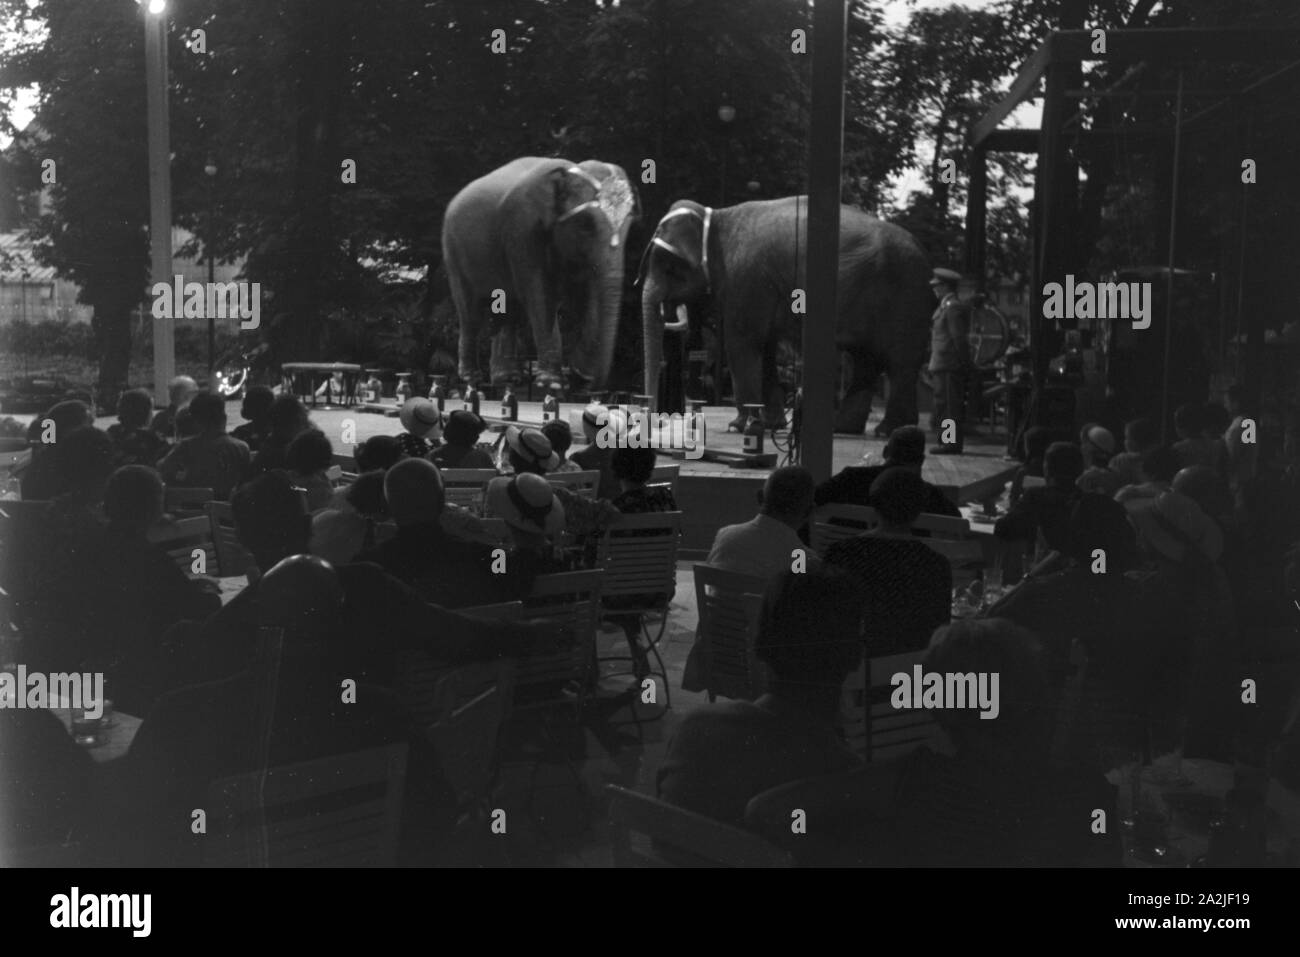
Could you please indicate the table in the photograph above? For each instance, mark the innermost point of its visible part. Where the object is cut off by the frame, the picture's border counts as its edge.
(114, 740)
(1187, 835)
(295, 373)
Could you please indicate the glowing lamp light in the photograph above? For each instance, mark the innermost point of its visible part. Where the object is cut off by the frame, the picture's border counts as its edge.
(726, 113)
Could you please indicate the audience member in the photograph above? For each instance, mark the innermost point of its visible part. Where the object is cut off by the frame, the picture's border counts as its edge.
(1140, 437)
(42, 480)
(179, 393)
(441, 569)
(904, 449)
(286, 417)
(307, 460)
(1046, 510)
(133, 441)
(724, 754)
(460, 443)
(560, 436)
(529, 451)
(594, 457)
(1193, 446)
(766, 545)
(256, 410)
(1156, 471)
(906, 585)
(633, 468)
(211, 458)
(341, 532)
(1098, 447)
(378, 453)
(423, 424)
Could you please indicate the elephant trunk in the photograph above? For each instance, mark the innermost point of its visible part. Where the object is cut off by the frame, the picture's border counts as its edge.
(608, 295)
(652, 329)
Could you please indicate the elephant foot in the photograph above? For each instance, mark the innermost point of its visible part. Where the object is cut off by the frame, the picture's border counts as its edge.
(737, 424)
(775, 421)
(546, 377)
(852, 416)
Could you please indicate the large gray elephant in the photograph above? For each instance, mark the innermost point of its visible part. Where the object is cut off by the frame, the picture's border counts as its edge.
(740, 262)
(532, 241)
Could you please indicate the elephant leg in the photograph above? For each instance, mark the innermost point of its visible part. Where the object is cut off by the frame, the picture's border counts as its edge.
(855, 408)
(900, 410)
(467, 364)
(504, 366)
(746, 377)
(540, 302)
(773, 396)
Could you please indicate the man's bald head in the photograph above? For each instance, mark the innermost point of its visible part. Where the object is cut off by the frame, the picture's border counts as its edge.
(302, 595)
(788, 495)
(181, 389)
(413, 489)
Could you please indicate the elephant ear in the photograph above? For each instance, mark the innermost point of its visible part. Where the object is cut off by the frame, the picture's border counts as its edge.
(679, 234)
(580, 192)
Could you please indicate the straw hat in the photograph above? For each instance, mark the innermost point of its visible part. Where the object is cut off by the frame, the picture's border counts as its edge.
(526, 502)
(420, 417)
(533, 446)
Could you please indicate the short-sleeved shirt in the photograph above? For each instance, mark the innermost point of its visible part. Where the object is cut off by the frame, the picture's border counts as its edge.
(206, 461)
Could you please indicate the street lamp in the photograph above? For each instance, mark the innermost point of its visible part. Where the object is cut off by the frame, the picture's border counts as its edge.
(160, 186)
(210, 170)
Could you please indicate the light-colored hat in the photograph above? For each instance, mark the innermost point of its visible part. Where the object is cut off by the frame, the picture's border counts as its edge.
(533, 445)
(1171, 523)
(420, 417)
(948, 276)
(526, 502)
(594, 418)
(1099, 436)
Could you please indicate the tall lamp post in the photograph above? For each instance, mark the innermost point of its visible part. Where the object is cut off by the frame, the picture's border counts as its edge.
(210, 170)
(160, 186)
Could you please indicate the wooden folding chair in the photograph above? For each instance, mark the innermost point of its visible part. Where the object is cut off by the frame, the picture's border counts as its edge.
(947, 526)
(731, 609)
(648, 832)
(584, 483)
(465, 487)
(339, 811)
(572, 599)
(183, 538)
(638, 555)
(232, 557)
(872, 727)
(832, 523)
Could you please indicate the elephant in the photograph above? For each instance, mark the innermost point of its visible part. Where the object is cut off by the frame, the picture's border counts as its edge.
(534, 240)
(740, 262)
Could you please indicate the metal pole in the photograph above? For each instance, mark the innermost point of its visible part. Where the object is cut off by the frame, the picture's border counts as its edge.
(212, 319)
(825, 156)
(160, 195)
(1169, 278)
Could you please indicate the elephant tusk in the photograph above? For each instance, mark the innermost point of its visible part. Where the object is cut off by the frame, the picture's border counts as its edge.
(683, 321)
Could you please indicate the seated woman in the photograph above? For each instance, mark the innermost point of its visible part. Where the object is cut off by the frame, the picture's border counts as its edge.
(307, 460)
(535, 518)
(726, 753)
(907, 585)
(460, 443)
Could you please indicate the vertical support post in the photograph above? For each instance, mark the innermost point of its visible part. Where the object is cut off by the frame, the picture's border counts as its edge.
(977, 216)
(1169, 276)
(160, 195)
(825, 157)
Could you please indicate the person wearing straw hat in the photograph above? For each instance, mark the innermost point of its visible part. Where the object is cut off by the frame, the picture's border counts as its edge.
(423, 424)
(534, 517)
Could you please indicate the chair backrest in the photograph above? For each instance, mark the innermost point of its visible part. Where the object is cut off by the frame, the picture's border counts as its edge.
(731, 609)
(182, 536)
(1033, 481)
(584, 483)
(232, 557)
(872, 726)
(572, 599)
(176, 499)
(346, 463)
(465, 487)
(669, 474)
(947, 525)
(832, 523)
(339, 811)
(638, 555)
(644, 828)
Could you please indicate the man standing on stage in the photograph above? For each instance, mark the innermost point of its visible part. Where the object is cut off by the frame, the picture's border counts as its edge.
(950, 361)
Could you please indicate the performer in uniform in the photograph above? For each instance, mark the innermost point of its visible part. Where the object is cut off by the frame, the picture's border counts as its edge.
(950, 359)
